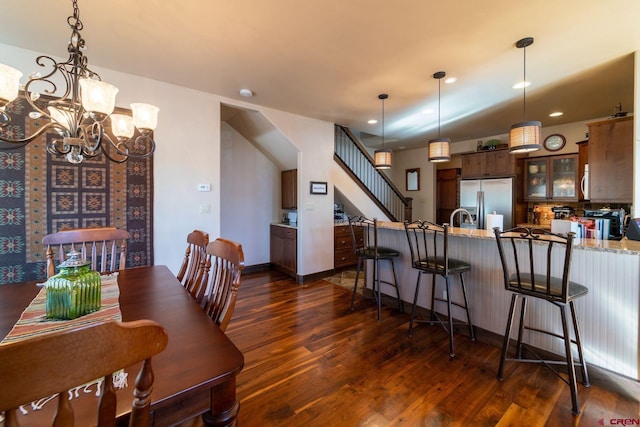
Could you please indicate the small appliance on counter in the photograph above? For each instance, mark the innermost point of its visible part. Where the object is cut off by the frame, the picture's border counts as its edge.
(615, 217)
(633, 230)
(562, 212)
(292, 217)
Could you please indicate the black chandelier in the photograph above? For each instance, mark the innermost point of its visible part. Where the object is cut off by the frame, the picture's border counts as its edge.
(78, 111)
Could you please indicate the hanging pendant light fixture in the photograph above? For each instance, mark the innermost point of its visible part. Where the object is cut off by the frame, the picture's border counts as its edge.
(78, 114)
(525, 136)
(382, 157)
(439, 148)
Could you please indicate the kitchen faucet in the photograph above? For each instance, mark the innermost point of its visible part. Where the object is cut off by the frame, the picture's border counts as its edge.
(455, 211)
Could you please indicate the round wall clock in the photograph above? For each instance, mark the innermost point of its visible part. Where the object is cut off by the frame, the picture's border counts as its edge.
(554, 142)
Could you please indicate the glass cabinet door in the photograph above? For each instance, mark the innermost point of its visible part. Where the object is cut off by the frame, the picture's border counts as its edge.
(563, 177)
(536, 178)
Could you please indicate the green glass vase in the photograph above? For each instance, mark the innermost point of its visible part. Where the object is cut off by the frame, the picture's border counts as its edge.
(74, 291)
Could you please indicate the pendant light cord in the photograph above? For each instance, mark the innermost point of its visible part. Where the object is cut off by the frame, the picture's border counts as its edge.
(383, 123)
(524, 86)
(439, 107)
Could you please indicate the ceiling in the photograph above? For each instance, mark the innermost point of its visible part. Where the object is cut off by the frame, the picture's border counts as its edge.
(329, 59)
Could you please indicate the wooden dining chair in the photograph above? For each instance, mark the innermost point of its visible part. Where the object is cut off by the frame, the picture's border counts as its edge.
(218, 287)
(195, 258)
(55, 363)
(106, 247)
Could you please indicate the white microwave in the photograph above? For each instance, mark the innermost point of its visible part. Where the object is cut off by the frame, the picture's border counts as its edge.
(584, 183)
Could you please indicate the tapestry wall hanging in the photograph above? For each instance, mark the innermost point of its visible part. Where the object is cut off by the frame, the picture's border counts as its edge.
(42, 194)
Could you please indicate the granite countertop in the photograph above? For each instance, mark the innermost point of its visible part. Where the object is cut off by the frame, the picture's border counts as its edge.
(624, 246)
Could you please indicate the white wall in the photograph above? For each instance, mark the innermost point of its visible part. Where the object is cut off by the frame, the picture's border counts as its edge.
(424, 200)
(249, 194)
(188, 151)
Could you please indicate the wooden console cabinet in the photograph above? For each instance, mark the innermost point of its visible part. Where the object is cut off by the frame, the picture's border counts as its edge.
(284, 249)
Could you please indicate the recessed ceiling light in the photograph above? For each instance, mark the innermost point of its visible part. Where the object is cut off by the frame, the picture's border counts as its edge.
(450, 80)
(520, 85)
(372, 121)
(556, 114)
(247, 93)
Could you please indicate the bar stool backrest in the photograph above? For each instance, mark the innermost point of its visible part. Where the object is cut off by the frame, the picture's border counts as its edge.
(429, 246)
(536, 262)
(368, 238)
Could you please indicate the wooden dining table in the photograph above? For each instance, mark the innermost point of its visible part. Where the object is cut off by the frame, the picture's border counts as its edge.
(195, 374)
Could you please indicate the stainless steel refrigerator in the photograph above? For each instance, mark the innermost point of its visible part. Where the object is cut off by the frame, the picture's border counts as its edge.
(484, 196)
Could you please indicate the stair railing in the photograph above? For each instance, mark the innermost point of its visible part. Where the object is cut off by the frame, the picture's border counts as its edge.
(357, 162)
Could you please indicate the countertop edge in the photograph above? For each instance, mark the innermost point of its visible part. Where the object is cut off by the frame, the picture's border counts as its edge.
(283, 225)
(624, 246)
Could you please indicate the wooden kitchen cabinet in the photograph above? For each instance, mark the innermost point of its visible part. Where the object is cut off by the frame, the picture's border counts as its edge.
(344, 254)
(447, 193)
(583, 160)
(551, 178)
(284, 249)
(289, 193)
(488, 164)
(611, 160)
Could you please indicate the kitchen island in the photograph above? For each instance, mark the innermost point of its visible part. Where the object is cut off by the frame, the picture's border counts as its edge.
(609, 315)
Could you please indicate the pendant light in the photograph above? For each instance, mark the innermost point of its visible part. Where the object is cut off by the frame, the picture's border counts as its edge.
(382, 157)
(524, 136)
(78, 111)
(439, 148)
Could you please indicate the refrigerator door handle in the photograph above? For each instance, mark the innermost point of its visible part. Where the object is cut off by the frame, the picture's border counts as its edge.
(480, 213)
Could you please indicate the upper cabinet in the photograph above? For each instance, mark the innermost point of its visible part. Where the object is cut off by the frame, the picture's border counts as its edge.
(611, 160)
(289, 182)
(486, 164)
(551, 178)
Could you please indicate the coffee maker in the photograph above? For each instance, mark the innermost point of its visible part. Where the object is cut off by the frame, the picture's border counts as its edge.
(562, 212)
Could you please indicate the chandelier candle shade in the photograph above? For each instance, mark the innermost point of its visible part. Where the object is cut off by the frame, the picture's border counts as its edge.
(382, 157)
(525, 136)
(439, 148)
(77, 111)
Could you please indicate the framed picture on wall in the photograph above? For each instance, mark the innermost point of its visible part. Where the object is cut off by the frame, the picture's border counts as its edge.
(317, 187)
(413, 179)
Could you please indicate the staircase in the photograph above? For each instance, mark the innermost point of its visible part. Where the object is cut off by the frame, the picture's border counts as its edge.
(354, 159)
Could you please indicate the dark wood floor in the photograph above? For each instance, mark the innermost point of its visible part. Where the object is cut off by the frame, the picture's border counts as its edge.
(309, 361)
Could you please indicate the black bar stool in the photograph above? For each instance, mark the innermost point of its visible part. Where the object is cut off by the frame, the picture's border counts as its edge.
(364, 234)
(531, 269)
(429, 247)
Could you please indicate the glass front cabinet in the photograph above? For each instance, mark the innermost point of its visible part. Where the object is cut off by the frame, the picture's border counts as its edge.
(551, 178)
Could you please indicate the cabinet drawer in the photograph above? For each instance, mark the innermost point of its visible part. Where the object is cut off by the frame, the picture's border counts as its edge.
(343, 242)
(344, 257)
(340, 230)
(283, 232)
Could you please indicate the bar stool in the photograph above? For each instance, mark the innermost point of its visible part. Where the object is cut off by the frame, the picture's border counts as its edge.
(541, 254)
(429, 247)
(364, 235)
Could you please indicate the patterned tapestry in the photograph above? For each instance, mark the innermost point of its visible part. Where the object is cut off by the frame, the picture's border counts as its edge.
(42, 194)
